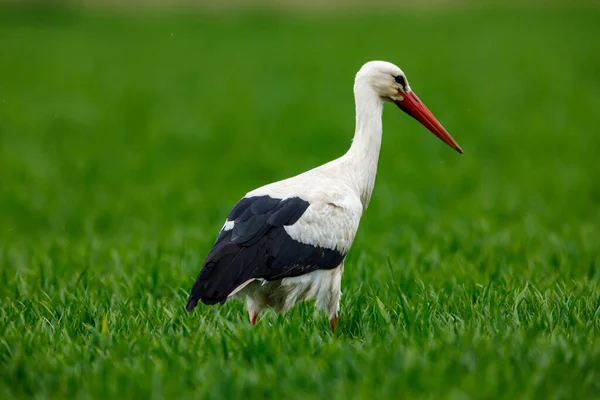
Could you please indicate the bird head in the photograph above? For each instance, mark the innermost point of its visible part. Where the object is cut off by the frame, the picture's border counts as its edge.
(390, 84)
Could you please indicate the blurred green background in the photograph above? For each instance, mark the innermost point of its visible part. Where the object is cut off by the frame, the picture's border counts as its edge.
(127, 133)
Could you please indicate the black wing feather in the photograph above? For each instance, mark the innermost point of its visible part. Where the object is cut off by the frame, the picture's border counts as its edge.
(239, 208)
(258, 247)
(285, 215)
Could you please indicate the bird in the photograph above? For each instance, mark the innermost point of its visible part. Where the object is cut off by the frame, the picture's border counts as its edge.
(286, 242)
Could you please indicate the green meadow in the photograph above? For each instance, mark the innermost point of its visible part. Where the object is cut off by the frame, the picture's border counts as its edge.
(125, 139)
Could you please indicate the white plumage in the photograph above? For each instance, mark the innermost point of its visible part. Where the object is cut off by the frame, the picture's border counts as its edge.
(285, 242)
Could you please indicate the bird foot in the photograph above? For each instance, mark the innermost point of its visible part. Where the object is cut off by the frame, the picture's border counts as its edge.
(333, 322)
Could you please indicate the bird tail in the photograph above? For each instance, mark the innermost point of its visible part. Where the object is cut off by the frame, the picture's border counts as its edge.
(201, 291)
(226, 268)
(191, 303)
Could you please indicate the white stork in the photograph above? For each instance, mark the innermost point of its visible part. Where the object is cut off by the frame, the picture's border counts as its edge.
(286, 242)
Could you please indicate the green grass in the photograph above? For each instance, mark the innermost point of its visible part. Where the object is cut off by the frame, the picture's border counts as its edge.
(124, 141)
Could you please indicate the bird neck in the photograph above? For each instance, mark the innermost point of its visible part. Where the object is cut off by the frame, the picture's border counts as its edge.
(363, 155)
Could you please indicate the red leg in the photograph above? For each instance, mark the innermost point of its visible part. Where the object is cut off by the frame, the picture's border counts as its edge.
(333, 322)
(253, 319)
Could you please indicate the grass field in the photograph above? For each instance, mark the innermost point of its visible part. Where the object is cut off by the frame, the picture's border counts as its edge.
(125, 140)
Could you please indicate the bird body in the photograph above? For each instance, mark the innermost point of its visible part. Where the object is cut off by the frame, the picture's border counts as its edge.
(286, 242)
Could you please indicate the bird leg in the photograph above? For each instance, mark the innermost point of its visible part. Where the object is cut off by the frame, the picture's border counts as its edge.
(253, 308)
(333, 322)
(332, 310)
(253, 317)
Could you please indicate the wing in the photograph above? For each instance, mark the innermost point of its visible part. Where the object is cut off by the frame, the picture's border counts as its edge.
(270, 238)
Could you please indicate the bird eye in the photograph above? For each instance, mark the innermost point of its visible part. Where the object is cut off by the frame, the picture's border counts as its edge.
(400, 80)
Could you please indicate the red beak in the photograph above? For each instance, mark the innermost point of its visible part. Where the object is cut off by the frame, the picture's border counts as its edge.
(416, 109)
